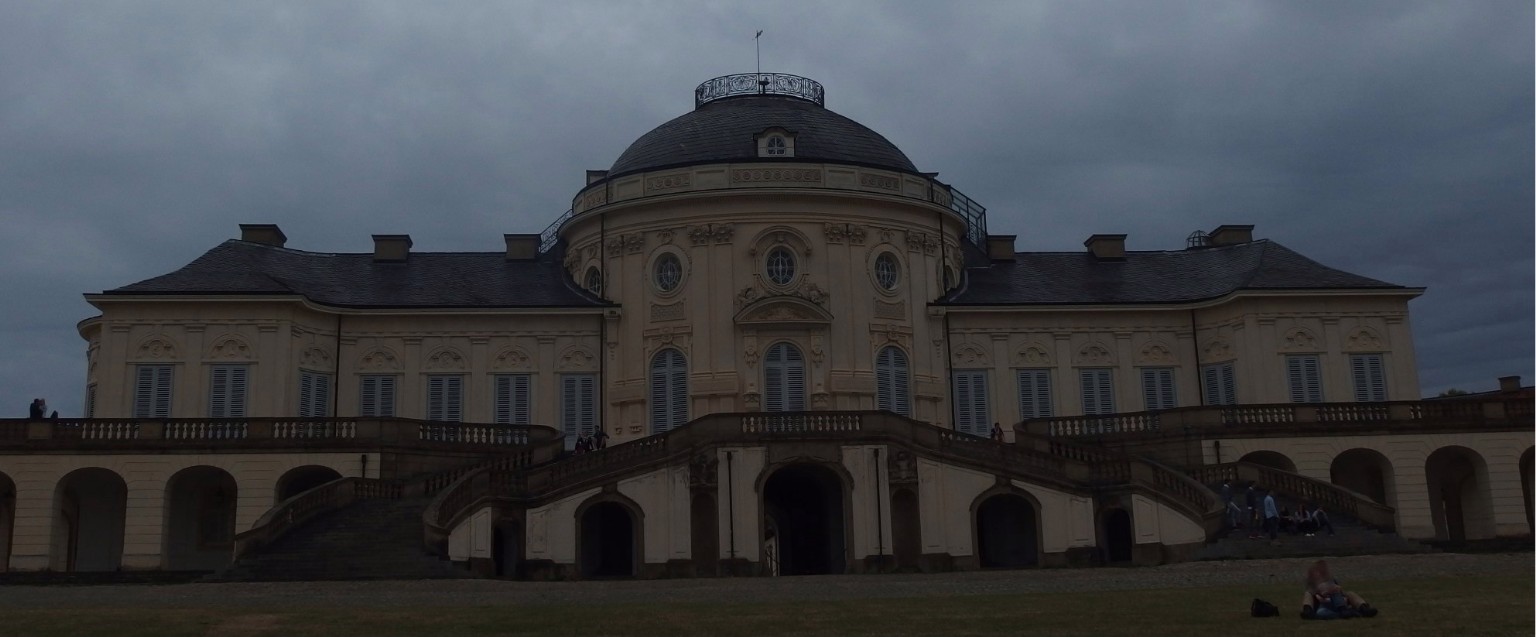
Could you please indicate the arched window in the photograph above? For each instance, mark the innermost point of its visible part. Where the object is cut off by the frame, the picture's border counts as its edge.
(783, 379)
(594, 282)
(776, 145)
(669, 272)
(669, 390)
(891, 393)
(887, 271)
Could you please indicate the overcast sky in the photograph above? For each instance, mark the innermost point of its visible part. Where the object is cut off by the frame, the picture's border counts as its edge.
(1390, 139)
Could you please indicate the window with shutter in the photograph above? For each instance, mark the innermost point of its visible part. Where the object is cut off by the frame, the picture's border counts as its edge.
(378, 396)
(513, 399)
(1305, 378)
(973, 414)
(314, 394)
(578, 406)
(1034, 393)
(783, 379)
(892, 389)
(1370, 377)
(445, 397)
(1157, 388)
(152, 391)
(1098, 391)
(1220, 384)
(669, 390)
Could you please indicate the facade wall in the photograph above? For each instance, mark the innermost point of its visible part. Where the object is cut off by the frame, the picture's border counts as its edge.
(947, 494)
(1155, 523)
(551, 529)
(663, 496)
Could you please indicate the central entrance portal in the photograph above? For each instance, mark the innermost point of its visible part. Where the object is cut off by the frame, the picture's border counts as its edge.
(803, 513)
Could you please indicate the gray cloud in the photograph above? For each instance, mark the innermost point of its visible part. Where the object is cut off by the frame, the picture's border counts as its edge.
(1391, 139)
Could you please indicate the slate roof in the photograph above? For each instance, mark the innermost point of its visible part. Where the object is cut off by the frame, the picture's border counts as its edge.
(426, 279)
(722, 131)
(1079, 278)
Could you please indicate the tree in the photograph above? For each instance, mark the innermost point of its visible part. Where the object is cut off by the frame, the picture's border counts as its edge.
(1453, 392)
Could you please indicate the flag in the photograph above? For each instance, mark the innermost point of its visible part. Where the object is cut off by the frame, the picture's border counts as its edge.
(759, 34)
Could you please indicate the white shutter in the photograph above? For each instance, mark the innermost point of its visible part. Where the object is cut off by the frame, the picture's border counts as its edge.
(892, 391)
(1034, 393)
(1305, 379)
(678, 386)
(972, 413)
(669, 390)
(794, 379)
(1228, 384)
(512, 399)
(445, 398)
(152, 392)
(1370, 377)
(239, 375)
(784, 379)
(218, 392)
(378, 396)
(1157, 388)
(314, 395)
(1098, 391)
(1220, 385)
(578, 406)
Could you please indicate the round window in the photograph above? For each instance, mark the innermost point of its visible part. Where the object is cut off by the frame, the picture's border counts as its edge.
(781, 266)
(669, 272)
(594, 281)
(887, 271)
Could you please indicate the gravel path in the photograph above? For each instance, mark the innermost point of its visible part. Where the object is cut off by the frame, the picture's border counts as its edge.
(472, 592)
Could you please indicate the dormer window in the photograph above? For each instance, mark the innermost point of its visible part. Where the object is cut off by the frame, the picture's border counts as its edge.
(775, 143)
(776, 146)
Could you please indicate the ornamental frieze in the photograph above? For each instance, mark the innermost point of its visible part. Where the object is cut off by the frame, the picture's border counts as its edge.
(626, 244)
(879, 181)
(837, 233)
(595, 197)
(668, 182)
(923, 242)
(667, 312)
(717, 233)
(781, 175)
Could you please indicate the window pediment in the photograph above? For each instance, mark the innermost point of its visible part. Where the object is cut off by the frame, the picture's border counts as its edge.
(781, 310)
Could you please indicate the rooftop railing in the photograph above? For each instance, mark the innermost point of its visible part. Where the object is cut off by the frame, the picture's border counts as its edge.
(741, 84)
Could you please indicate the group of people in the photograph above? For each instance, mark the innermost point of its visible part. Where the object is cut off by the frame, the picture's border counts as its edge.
(39, 410)
(585, 443)
(1262, 516)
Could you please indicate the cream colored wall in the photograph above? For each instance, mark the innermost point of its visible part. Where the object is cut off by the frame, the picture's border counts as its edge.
(663, 496)
(256, 475)
(551, 529)
(472, 537)
(1255, 333)
(738, 492)
(1156, 523)
(871, 520)
(1500, 451)
(946, 494)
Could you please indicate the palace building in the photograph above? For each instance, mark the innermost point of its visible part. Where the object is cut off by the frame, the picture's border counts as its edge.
(797, 344)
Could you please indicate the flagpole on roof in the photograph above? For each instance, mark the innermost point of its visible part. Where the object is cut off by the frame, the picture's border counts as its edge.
(758, 41)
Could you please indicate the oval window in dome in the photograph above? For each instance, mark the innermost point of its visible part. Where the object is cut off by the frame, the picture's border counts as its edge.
(781, 266)
(669, 272)
(887, 271)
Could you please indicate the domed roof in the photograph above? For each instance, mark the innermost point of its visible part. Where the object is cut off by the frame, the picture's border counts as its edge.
(724, 129)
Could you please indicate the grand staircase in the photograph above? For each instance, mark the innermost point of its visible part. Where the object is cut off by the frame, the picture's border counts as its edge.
(370, 539)
(1350, 538)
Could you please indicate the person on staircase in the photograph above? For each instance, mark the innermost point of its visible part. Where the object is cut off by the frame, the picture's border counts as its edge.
(1317, 519)
(1326, 599)
(1271, 516)
(1252, 499)
(599, 439)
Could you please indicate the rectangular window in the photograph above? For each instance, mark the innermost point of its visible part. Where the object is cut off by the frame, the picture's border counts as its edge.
(152, 391)
(377, 399)
(1306, 379)
(578, 406)
(972, 413)
(1157, 388)
(314, 394)
(1034, 393)
(1370, 378)
(1220, 384)
(226, 390)
(445, 398)
(1098, 391)
(513, 397)
(90, 400)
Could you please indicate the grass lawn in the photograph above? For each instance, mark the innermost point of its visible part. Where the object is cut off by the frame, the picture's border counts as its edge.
(1459, 607)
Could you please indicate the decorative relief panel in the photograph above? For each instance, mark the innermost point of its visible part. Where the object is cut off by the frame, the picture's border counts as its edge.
(666, 337)
(1363, 339)
(1033, 356)
(667, 311)
(809, 292)
(894, 311)
(779, 175)
(818, 351)
(577, 359)
(668, 182)
(157, 348)
(595, 197)
(315, 358)
(918, 241)
(901, 468)
(664, 236)
(1156, 353)
(632, 243)
(1299, 340)
(445, 359)
(879, 181)
(971, 355)
(717, 233)
(231, 348)
(1095, 354)
(378, 360)
(881, 334)
(838, 233)
(1217, 350)
(512, 358)
(703, 470)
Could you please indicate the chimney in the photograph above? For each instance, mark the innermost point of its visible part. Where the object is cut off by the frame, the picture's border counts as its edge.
(391, 247)
(594, 176)
(263, 233)
(1509, 384)
(1106, 246)
(1000, 247)
(522, 247)
(1225, 235)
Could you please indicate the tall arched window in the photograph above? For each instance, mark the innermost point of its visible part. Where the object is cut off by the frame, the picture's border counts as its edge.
(669, 390)
(783, 379)
(891, 393)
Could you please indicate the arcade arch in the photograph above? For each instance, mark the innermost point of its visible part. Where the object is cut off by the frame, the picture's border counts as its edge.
(1365, 471)
(804, 521)
(608, 529)
(89, 507)
(1007, 530)
(1459, 503)
(300, 479)
(1119, 536)
(199, 519)
(1271, 459)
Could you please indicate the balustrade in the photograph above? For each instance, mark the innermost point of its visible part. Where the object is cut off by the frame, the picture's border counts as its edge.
(1449, 413)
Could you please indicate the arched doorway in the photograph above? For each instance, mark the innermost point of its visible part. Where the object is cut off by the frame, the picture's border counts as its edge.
(803, 516)
(300, 479)
(1007, 532)
(1119, 536)
(906, 529)
(1365, 471)
(1271, 459)
(1457, 478)
(89, 506)
(1525, 487)
(609, 543)
(704, 527)
(199, 519)
(7, 519)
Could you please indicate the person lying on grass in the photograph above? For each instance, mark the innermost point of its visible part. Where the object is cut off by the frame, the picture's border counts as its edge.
(1325, 599)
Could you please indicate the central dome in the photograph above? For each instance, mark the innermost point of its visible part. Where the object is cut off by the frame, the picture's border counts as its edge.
(724, 129)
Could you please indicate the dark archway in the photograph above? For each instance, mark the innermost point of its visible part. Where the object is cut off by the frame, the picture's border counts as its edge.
(300, 479)
(1119, 536)
(1367, 472)
(906, 529)
(506, 549)
(7, 519)
(1007, 532)
(609, 544)
(199, 519)
(803, 511)
(704, 528)
(1271, 459)
(1525, 487)
(1457, 478)
(89, 508)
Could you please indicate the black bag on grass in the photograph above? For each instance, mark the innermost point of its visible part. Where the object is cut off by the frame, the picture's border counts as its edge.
(1262, 608)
